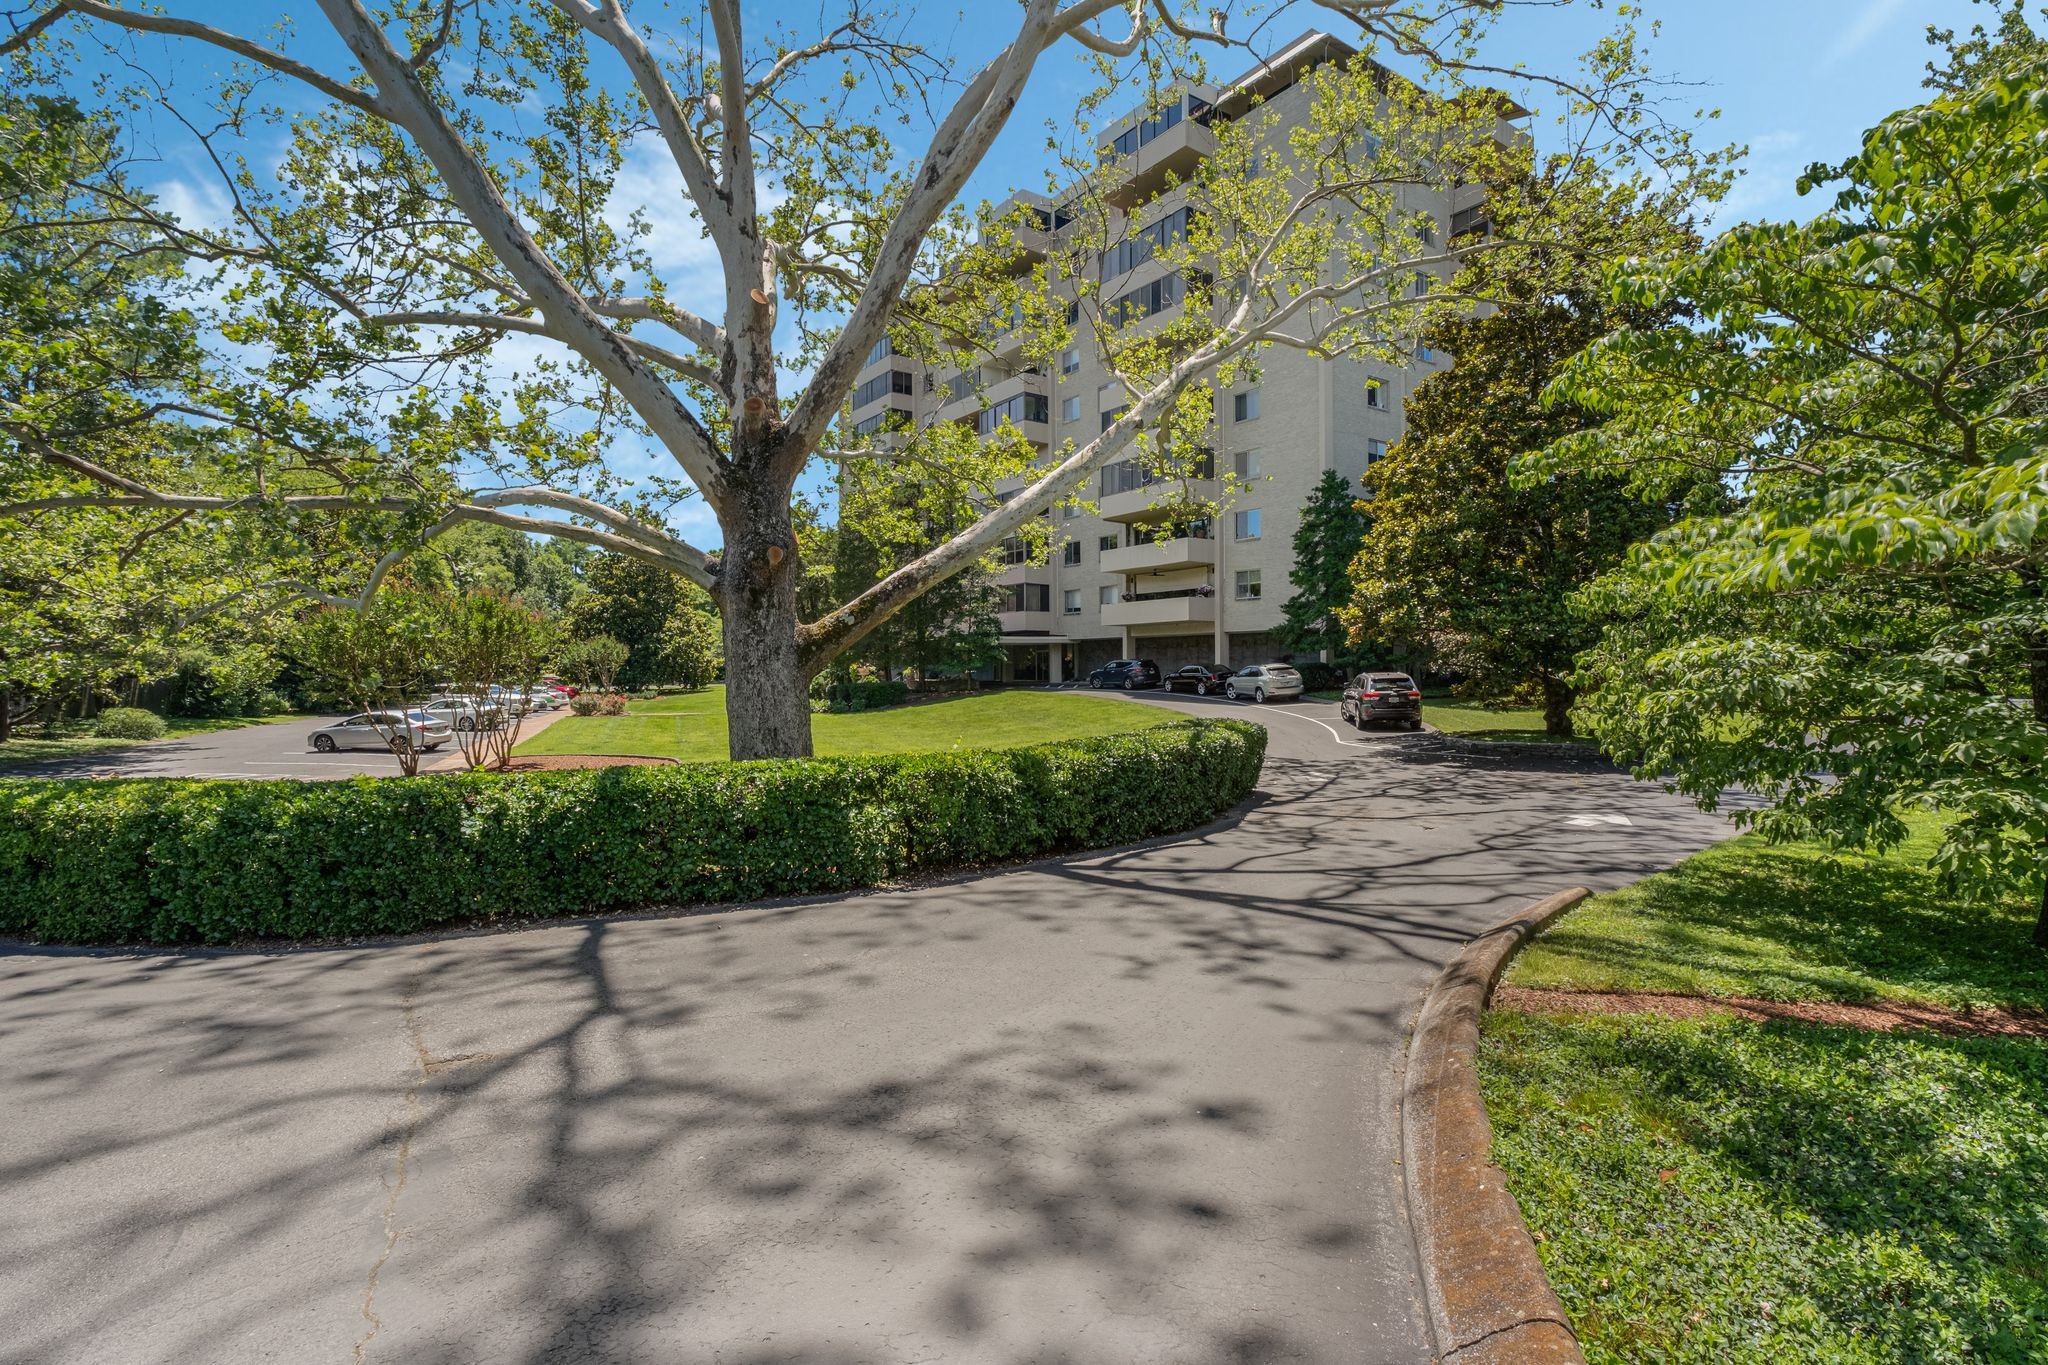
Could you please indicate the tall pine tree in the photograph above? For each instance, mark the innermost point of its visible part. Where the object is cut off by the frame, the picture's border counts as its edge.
(1331, 528)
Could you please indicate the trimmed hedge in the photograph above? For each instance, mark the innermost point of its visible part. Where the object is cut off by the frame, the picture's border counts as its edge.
(184, 860)
(130, 722)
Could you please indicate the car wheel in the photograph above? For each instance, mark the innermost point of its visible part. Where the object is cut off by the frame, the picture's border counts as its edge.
(1259, 695)
(400, 744)
(465, 722)
(323, 744)
(1415, 725)
(1130, 684)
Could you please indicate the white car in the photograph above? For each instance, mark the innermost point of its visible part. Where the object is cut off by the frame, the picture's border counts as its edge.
(383, 730)
(463, 713)
(1264, 682)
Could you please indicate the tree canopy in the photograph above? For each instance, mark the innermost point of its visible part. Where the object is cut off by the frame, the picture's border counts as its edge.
(451, 190)
(1867, 631)
(1328, 536)
(1461, 562)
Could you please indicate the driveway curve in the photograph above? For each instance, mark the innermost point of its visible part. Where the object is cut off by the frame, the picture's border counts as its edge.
(1127, 1107)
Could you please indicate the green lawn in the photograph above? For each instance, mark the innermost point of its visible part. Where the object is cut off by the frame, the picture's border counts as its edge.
(1796, 922)
(691, 726)
(1717, 1190)
(1475, 721)
(36, 748)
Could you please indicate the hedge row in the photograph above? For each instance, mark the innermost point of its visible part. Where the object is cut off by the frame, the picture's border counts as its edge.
(865, 696)
(167, 860)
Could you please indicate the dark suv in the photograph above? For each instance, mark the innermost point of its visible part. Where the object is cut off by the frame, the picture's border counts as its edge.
(1201, 679)
(1129, 674)
(1371, 698)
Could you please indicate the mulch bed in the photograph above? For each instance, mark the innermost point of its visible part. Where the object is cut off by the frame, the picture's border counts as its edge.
(1883, 1017)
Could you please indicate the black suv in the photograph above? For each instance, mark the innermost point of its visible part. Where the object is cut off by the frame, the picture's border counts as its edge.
(1129, 674)
(1373, 697)
(1201, 679)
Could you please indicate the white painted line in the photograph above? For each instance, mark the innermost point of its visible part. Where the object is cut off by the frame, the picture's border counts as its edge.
(1594, 821)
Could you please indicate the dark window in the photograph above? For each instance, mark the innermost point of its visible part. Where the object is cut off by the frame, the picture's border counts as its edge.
(1109, 418)
(882, 385)
(1144, 130)
(1024, 597)
(1017, 409)
(890, 419)
(1144, 244)
(1147, 299)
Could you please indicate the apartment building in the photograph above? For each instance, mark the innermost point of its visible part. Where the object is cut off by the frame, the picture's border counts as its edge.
(1133, 578)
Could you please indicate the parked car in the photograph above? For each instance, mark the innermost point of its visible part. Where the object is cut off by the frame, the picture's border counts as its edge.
(1204, 680)
(1264, 682)
(463, 713)
(383, 730)
(1129, 674)
(1376, 698)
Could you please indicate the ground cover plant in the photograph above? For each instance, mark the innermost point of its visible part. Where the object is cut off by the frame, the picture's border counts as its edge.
(691, 727)
(1722, 1189)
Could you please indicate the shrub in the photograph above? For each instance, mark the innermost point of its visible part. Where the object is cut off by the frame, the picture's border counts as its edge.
(129, 722)
(865, 696)
(171, 860)
(584, 703)
(1317, 676)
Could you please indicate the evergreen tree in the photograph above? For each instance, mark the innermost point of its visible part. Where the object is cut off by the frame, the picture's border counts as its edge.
(1332, 526)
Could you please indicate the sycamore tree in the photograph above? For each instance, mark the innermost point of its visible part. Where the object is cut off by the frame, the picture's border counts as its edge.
(432, 309)
(1469, 566)
(1332, 525)
(1868, 630)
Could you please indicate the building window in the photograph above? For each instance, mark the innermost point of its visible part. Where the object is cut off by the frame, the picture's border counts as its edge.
(1024, 597)
(1070, 409)
(1070, 602)
(882, 385)
(1425, 354)
(1158, 296)
(1144, 130)
(1105, 544)
(892, 419)
(1244, 407)
(1247, 462)
(1068, 511)
(1070, 359)
(1019, 408)
(1423, 281)
(1108, 595)
(881, 350)
(1427, 231)
(1375, 394)
(1144, 244)
(1245, 524)
(1375, 451)
(1070, 553)
(1247, 585)
(1109, 418)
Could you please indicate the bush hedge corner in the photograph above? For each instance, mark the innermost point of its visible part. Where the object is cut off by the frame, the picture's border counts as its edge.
(130, 722)
(179, 860)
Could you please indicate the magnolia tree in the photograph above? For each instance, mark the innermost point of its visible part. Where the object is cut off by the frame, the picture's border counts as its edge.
(435, 308)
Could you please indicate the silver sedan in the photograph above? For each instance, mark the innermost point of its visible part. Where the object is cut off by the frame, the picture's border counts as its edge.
(383, 730)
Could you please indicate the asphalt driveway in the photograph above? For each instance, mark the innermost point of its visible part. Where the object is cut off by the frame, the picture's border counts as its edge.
(274, 749)
(1130, 1107)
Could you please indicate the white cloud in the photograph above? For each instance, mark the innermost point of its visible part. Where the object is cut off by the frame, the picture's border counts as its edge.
(1877, 15)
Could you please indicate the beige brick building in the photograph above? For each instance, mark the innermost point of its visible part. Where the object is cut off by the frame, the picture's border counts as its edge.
(1121, 581)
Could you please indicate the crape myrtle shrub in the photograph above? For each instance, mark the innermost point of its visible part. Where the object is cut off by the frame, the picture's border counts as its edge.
(166, 860)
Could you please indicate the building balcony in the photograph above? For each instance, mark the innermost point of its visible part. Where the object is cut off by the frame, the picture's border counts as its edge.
(1172, 155)
(1185, 608)
(1161, 556)
(1025, 622)
(1157, 501)
(1012, 574)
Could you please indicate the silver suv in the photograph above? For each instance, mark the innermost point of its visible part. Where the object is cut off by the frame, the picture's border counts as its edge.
(1264, 682)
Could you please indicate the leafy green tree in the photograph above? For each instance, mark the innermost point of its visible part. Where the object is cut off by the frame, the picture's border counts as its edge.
(651, 612)
(452, 185)
(380, 658)
(545, 573)
(1460, 561)
(1332, 526)
(1868, 632)
(492, 640)
(593, 662)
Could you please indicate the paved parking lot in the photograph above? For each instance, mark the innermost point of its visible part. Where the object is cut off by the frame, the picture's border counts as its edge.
(281, 749)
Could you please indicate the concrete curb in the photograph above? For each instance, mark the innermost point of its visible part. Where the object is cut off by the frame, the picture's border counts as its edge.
(1487, 1299)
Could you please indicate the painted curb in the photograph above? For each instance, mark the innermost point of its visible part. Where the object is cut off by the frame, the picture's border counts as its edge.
(1487, 1299)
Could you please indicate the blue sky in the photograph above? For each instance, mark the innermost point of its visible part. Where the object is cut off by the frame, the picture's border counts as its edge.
(1797, 81)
